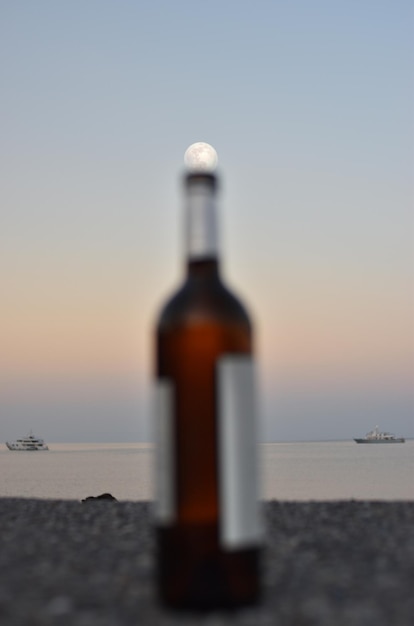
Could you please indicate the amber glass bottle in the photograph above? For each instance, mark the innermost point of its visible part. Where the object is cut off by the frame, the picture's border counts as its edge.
(207, 521)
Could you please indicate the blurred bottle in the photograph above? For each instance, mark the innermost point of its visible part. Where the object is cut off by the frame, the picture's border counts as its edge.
(207, 520)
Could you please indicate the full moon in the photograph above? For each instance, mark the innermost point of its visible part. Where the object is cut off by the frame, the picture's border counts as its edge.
(200, 157)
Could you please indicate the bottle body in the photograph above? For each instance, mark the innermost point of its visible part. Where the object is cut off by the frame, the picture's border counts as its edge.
(207, 528)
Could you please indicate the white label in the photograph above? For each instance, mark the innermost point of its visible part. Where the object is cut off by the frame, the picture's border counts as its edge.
(239, 515)
(201, 235)
(165, 453)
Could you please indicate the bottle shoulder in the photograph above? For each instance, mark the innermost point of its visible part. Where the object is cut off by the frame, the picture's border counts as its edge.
(203, 302)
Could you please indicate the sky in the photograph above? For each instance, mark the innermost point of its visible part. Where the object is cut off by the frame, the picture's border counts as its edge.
(310, 106)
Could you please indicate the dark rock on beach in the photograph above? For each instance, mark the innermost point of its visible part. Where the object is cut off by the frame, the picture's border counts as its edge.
(347, 563)
(103, 496)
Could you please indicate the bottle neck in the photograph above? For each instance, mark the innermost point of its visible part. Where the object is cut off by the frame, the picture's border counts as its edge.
(203, 271)
(201, 231)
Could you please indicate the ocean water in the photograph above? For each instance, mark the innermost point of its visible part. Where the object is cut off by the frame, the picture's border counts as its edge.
(289, 471)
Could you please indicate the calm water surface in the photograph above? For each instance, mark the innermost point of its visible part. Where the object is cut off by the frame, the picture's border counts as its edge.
(290, 471)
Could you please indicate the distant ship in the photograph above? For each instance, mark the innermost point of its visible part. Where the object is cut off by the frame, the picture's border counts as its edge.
(28, 443)
(375, 436)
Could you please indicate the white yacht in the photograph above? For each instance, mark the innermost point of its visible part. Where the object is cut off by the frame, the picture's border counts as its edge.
(375, 436)
(28, 443)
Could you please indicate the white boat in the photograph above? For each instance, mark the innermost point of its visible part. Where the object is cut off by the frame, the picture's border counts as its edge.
(29, 443)
(376, 436)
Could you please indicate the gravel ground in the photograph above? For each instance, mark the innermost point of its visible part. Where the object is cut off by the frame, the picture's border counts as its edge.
(345, 563)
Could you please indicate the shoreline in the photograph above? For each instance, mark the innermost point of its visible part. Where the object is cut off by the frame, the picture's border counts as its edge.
(344, 562)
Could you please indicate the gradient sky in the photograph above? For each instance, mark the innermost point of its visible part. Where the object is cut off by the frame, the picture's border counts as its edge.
(310, 107)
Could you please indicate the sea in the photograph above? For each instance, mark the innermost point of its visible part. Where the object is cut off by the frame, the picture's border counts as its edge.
(297, 471)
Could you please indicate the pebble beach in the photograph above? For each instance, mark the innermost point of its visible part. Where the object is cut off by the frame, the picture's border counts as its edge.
(348, 563)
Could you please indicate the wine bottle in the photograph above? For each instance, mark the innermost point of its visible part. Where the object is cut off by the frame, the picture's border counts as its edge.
(207, 520)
